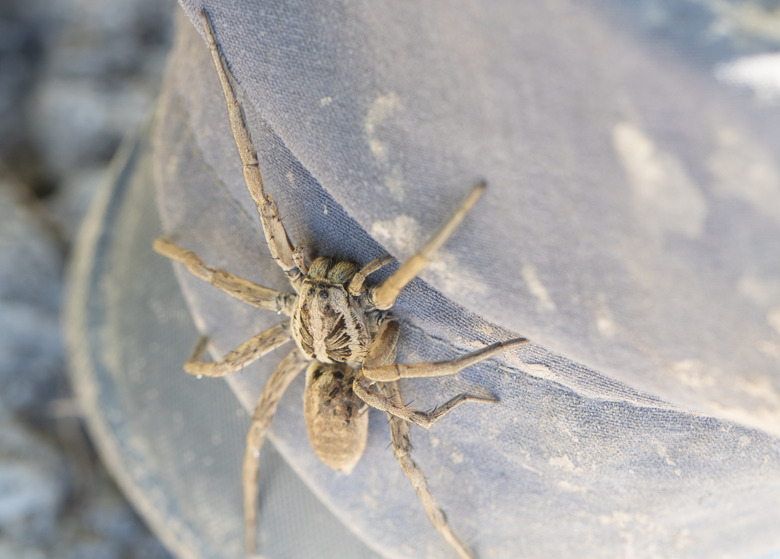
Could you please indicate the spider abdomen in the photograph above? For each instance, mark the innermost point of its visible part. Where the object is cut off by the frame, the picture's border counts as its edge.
(336, 419)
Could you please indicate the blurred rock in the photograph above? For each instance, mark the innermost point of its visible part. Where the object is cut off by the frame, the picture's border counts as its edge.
(69, 203)
(31, 266)
(75, 77)
(32, 487)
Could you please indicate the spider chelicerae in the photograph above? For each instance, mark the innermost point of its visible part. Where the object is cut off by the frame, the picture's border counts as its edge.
(342, 330)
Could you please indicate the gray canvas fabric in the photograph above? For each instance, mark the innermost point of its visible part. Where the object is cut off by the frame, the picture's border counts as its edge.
(630, 229)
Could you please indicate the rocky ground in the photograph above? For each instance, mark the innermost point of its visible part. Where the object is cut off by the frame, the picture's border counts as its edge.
(75, 77)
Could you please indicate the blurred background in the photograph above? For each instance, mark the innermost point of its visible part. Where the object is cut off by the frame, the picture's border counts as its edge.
(76, 76)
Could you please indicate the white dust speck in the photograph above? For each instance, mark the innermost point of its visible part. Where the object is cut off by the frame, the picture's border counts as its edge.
(377, 148)
(692, 372)
(325, 101)
(569, 487)
(758, 289)
(770, 348)
(456, 457)
(759, 73)
(380, 112)
(402, 236)
(537, 288)
(604, 321)
(662, 451)
(666, 199)
(759, 388)
(539, 370)
(773, 319)
(764, 417)
(448, 276)
(742, 168)
(562, 462)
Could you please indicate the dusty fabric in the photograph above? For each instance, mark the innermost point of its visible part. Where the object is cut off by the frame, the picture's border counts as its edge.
(630, 229)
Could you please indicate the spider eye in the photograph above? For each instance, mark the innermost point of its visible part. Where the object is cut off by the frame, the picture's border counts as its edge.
(311, 292)
(323, 294)
(326, 308)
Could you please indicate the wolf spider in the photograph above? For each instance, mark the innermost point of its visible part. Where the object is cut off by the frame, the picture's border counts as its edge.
(341, 328)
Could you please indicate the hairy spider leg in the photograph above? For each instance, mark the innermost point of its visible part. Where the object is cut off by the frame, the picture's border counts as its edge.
(248, 352)
(402, 449)
(275, 234)
(284, 374)
(371, 373)
(384, 295)
(257, 295)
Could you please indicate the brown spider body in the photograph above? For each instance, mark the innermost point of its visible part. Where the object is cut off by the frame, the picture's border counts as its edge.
(335, 324)
(329, 324)
(333, 327)
(336, 419)
(342, 330)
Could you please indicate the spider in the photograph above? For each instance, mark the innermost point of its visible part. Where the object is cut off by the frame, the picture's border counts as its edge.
(342, 330)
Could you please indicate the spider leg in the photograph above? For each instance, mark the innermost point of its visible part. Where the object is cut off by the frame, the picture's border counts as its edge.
(248, 352)
(299, 257)
(239, 288)
(395, 371)
(356, 284)
(370, 374)
(289, 367)
(402, 448)
(275, 235)
(382, 350)
(424, 419)
(384, 295)
(381, 353)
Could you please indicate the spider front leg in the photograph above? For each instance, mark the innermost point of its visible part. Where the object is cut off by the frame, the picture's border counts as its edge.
(383, 296)
(275, 235)
(357, 284)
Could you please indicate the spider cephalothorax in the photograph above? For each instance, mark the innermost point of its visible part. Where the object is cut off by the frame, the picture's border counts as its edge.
(330, 324)
(342, 330)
